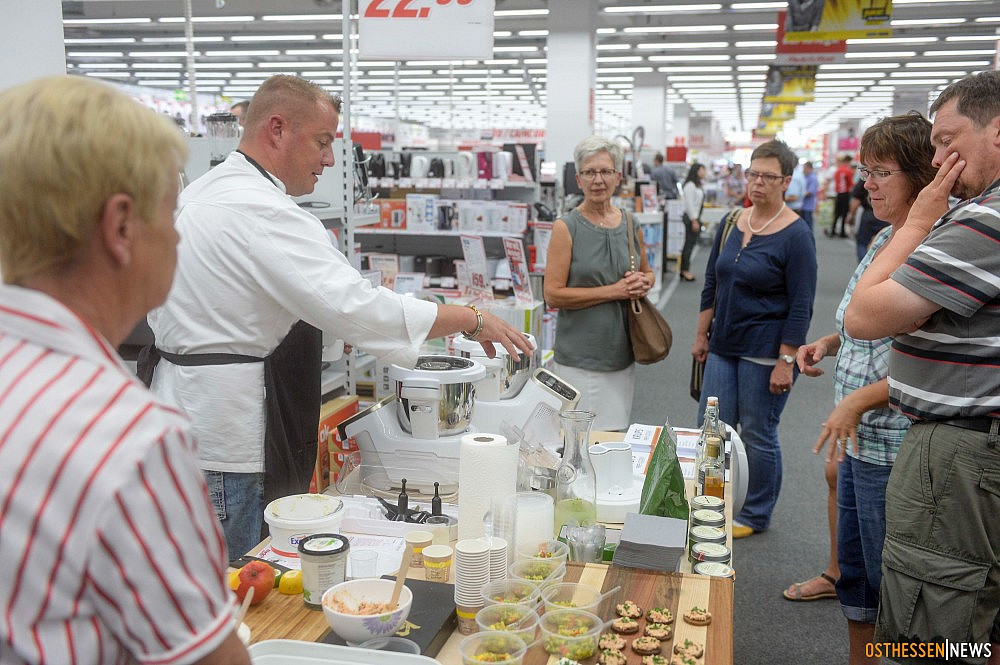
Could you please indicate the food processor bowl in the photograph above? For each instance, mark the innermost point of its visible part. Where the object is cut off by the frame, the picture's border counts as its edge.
(437, 396)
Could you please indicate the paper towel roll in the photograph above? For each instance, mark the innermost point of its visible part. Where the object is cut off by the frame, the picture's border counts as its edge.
(487, 467)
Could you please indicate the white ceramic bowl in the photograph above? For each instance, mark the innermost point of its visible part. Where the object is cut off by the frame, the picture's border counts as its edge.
(358, 628)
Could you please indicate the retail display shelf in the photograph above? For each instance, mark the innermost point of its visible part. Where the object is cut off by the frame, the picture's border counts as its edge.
(433, 233)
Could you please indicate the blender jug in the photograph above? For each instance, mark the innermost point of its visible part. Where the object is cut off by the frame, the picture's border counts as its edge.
(223, 135)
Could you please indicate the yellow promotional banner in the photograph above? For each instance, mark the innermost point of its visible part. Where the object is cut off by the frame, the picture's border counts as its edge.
(777, 111)
(817, 20)
(768, 127)
(790, 85)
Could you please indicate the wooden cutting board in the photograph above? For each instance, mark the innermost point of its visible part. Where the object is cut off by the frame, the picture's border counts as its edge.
(677, 592)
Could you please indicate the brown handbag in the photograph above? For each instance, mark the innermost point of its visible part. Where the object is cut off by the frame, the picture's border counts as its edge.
(698, 366)
(648, 331)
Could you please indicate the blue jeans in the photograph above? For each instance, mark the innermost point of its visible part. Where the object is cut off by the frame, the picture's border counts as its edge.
(238, 499)
(860, 536)
(745, 399)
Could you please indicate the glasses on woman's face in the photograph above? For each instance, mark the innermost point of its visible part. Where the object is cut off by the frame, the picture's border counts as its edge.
(875, 175)
(605, 174)
(769, 178)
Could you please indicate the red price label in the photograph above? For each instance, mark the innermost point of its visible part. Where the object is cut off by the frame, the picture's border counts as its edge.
(405, 8)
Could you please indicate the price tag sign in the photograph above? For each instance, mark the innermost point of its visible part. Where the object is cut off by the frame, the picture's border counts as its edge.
(421, 183)
(405, 183)
(462, 276)
(519, 277)
(408, 282)
(474, 252)
(448, 183)
(425, 29)
(480, 183)
(496, 183)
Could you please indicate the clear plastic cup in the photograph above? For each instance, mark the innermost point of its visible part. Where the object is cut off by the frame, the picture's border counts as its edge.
(364, 564)
(570, 633)
(496, 647)
(520, 592)
(511, 618)
(540, 572)
(571, 595)
(547, 550)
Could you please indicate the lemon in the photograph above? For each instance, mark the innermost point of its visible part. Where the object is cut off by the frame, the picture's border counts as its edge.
(291, 582)
(234, 580)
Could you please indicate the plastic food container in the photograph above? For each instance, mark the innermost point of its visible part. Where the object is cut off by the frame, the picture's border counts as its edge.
(292, 518)
(540, 572)
(571, 633)
(492, 647)
(521, 592)
(571, 595)
(546, 550)
(506, 618)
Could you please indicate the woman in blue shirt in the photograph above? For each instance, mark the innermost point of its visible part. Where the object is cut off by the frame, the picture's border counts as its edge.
(757, 301)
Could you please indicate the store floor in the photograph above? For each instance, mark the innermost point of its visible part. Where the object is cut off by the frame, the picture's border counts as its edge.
(769, 628)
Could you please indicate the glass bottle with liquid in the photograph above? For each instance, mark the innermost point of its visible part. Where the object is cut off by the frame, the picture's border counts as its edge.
(576, 481)
(712, 471)
(710, 426)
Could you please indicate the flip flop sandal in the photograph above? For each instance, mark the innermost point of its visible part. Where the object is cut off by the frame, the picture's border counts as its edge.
(797, 595)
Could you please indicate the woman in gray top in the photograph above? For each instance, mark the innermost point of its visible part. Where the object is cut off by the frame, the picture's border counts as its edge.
(588, 276)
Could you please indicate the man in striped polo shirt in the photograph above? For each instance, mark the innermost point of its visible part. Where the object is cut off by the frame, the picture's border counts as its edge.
(111, 549)
(936, 289)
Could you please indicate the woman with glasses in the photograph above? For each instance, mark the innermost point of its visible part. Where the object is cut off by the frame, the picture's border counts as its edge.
(590, 278)
(757, 301)
(863, 433)
(694, 203)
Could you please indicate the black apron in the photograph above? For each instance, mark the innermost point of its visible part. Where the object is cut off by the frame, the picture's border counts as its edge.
(292, 395)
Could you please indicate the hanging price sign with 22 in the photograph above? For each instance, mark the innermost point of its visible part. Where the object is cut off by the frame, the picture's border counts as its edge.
(425, 29)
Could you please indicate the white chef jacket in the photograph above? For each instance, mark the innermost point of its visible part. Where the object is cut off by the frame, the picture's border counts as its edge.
(250, 264)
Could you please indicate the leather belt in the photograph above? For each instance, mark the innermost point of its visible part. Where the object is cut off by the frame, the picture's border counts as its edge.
(977, 424)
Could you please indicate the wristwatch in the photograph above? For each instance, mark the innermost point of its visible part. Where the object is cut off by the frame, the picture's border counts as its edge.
(787, 358)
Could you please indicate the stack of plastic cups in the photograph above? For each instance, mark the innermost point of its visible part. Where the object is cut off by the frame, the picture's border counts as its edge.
(498, 558)
(472, 572)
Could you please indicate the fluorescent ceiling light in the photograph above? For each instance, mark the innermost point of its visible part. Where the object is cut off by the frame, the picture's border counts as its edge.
(160, 54)
(120, 75)
(956, 74)
(619, 58)
(104, 21)
(913, 81)
(239, 54)
(293, 64)
(681, 70)
(514, 49)
(503, 33)
(605, 31)
(763, 27)
(110, 40)
(756, 56)
(826, 76)
(892, 40)
(952, 63)
(883, 54)
(508, 13)
(208, 19)
(314, 51)
(971, 38)
(859, 65)
(688, 58)
(899, 23)
(978, 51)
(671, 29)
(657, 9)
(614, 47)
(95, 54)
(105, 65)
(691, 46)
(752, 68)
(713, 77)
(181, 40)
(303, 17)
(988, 19)
(273, 38)
(623, 70)
(761, 44)
(758, 5)
(532, 33)
(157, 65)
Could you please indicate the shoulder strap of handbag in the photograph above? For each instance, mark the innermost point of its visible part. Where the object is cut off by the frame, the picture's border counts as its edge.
(730, 223)
(631, 242)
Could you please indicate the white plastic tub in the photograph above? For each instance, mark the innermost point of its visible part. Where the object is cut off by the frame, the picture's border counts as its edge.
(292, 518)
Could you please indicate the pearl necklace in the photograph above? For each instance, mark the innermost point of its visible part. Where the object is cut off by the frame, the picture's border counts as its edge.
(766, 224)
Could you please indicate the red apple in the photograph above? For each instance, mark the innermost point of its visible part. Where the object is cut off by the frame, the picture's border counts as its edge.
(256, 575)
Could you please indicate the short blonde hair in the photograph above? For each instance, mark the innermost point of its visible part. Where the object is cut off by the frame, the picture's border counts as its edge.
(289, 95)
(593, 145)
(67, 144)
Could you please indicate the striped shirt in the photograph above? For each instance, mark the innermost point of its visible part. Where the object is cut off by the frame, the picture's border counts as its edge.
(861, 362)
(950, 367)
(111, 550)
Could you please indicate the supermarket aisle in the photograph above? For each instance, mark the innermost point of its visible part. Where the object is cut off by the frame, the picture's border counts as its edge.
(795, 548)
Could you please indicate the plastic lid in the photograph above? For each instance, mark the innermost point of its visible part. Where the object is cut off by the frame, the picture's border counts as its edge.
(304, 507)
(397, 644)
(445, 369)
(322, 544)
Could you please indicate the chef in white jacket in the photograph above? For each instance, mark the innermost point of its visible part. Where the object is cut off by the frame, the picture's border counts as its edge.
(238, 343)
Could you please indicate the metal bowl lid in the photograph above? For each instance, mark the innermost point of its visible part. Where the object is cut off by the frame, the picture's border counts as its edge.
(712, 534)
(708, 501)
(707, 516)
(714, 569)
(445, 369)
(711, 552)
